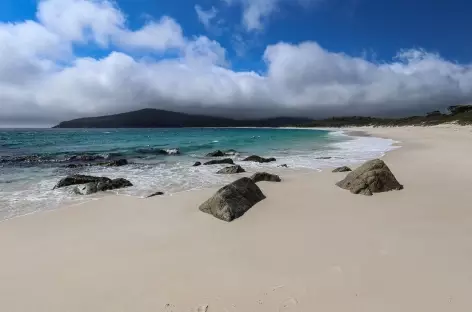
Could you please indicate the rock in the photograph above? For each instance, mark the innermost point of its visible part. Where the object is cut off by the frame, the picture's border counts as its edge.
(231, 152)
(155, 194)
(283, 166)
(373, 176)
(217, 153)
(326, 157)
(197, 164)
(86, 189)
(259, 159)
(233, 200)
(79, 179)
(75, 166)
(101, 186)
(228, 161)
(342, 169)
(232, 170)
(86, 158)
(114, 163)
(264, 176)
(158, 151)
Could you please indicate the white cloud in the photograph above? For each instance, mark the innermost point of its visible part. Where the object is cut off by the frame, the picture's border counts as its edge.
(42, 82)
(206, 16)
(256, 12)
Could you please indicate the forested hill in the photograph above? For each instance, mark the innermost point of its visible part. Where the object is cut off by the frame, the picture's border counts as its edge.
(154, 118)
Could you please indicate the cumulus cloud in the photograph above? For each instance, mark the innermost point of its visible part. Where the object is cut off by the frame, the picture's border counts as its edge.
(43, 82)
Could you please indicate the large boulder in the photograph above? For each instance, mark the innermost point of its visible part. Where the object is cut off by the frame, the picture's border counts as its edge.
(232, 170)
(264, 176)
(227, 161)
(259, 159)
(373, 176)
(233, 200)
(79, 179)
(197, 164)
(342, 169)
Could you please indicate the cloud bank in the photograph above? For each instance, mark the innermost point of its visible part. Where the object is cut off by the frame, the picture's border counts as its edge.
(43, 82)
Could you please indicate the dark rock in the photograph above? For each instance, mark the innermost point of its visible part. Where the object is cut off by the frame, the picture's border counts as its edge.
(158, 151)
(155, 194)
(264, 176)
(283, 166)
(259, 159)
(232, 170)
(217, 153)
(342, 169)
(324, 157)
(86, 158)
(228, 161)
(79, 179)
(114, 163)
(75, 166)
(373, 176)
(231, 152)
(233, 200)
(101, 186)
(197, 164)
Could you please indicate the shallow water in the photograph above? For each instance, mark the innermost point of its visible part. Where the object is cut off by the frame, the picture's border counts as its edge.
(32, 161)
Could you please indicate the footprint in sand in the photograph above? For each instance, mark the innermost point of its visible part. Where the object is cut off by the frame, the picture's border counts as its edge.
(289, 305)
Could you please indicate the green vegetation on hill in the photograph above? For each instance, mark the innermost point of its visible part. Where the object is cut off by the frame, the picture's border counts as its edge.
(460, 114)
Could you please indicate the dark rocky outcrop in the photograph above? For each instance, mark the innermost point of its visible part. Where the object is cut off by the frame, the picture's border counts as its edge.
(264, 176)
(228, 161)
(197, 164)
(232, 170)
(342, 169)
(259, 159)
(79, 179)
(217, 153)
(373, 176)
(101, 186)
(283, 166)
(233, 200)
(155, 194)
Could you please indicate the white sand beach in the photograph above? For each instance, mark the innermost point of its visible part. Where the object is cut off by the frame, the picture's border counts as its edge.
(310, 246)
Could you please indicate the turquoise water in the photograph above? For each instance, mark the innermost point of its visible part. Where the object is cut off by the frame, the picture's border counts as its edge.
(32, 161)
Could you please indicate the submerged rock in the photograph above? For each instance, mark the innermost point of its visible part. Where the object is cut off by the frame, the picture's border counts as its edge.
(232, 170)
(217, 153)
(283, 166)
(342, 169)
(259, 159)
(155, 194)
(79, 179)
(324, 157)
(114, 163)
(228, 161)
(158, 151)
(197, 164)
(231, 152)
(233, 200)
(86, 158)
(101, 186)
(264, 176)
(373, 176)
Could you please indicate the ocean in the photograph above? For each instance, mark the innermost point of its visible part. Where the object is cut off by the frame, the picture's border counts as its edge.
(32, 161)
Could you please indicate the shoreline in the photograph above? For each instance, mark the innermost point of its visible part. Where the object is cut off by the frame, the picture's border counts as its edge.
(308, 246)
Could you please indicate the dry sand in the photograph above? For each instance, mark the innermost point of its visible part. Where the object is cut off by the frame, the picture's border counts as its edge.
(310, 246)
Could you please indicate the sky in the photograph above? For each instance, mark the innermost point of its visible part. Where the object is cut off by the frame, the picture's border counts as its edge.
(65, 59)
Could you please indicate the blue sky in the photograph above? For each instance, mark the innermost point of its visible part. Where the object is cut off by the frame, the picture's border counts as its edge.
(269, 57)
(378, 28)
